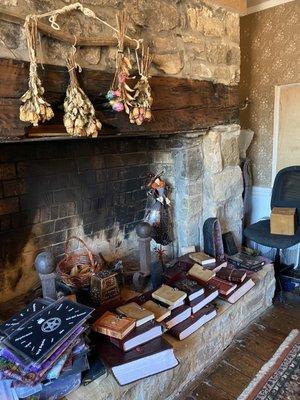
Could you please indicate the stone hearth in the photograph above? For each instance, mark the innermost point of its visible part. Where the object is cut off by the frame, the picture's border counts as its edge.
(194, 353)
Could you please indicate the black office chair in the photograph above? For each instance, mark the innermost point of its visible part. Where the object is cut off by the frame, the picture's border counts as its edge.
(285, 193)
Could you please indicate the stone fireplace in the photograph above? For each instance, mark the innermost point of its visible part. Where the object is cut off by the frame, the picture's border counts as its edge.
(53, 189)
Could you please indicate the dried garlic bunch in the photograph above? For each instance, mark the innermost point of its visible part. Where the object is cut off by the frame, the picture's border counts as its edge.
(35, 108)
(141, 106)
(80, 118)
(120, 95)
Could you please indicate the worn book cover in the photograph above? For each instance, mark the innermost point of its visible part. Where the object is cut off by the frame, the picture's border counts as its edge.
(224, 287)
(194, 322)
(239, 291)
(190, 287)
(140, 335)
(145, 360)
(168, 295)
(201, 274)
(244, 260)
(202, 258)
(178, 315)
(136, 311)
(210, 293)
(114, 325)
(160, 312)
(232, 275)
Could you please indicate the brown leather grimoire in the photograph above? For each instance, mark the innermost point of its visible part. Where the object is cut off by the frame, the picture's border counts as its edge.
(194, 322)
(142, 361)
(232, 275)
(114, 325)
(134, 310)
(200, 274)
(168, 295)
(140, 335)
(160, 312)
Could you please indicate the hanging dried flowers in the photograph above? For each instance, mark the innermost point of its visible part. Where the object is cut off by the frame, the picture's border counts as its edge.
(141, 105)
(79, 118)
(35, 108)
(120, 94)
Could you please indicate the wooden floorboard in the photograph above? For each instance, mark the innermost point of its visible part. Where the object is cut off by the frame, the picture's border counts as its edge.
(238, 365)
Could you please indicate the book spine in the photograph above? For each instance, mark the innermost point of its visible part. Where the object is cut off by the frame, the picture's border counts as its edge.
(232, 278)
(236, 263)
(117, 342)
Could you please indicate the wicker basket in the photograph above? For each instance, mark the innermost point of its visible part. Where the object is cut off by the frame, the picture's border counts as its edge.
(82, 257)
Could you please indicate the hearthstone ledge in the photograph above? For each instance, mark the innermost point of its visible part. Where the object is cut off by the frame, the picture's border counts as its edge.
(194, 353)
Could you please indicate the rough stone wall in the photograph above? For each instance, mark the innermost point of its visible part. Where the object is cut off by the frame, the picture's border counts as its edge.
(223, 182)
(189, 38)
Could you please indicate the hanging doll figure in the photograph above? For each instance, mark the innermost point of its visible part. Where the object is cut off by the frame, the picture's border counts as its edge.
(158, 216)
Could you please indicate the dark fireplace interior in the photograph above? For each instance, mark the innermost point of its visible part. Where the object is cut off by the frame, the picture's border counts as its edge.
(50, 190)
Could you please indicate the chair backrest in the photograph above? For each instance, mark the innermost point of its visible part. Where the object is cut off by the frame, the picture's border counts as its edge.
(286, 189)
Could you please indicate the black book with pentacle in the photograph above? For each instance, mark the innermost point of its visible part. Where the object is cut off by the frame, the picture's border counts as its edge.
(44, 332)
(16, 321)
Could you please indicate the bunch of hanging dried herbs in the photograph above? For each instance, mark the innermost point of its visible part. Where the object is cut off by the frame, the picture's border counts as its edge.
(142, 100)
(80, 117)
(120, 94)
(35, 107)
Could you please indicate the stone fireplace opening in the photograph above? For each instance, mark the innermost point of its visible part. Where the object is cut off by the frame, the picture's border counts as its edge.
(93, 189)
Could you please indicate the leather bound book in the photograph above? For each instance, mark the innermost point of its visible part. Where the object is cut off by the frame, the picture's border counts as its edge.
(142, 298)
(178, 315)
(215, 267)
(202, 258)
(160, 312)
(114, 325)
(190, 287)
(194, 322)
(200, 274)
(246, 261)
(143, 361)
(171, 275)
(240, 290)
(140, 335)
(135, 311)
(170, 308)
(232, 275)
(168, 295)
(224, 287)
(209, 295)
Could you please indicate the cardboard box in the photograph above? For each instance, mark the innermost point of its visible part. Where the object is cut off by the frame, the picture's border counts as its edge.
(283, 221)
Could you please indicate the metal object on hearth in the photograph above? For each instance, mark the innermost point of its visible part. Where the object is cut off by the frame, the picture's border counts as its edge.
(143, 231)
(104, 287)
(45, 265)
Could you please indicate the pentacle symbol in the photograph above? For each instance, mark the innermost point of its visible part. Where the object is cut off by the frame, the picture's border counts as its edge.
(51, 324)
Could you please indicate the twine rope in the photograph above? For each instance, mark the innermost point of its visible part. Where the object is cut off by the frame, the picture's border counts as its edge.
(52, 16)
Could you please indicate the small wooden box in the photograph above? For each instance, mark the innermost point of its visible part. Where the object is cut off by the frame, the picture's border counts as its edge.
(283, 221)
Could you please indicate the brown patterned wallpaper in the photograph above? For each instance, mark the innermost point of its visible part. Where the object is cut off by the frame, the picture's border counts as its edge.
(269, 58)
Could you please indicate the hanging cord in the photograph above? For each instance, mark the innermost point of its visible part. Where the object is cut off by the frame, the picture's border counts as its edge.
(86, 11)
(73, 64)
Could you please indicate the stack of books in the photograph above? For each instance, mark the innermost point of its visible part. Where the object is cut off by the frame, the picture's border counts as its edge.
(42, 349)
(189, 306)
(199, 309)
(134, 347)
(230, 282)
(239, 281)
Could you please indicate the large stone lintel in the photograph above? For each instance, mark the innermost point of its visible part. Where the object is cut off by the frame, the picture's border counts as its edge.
(194, 353)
